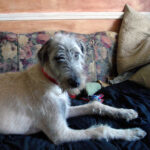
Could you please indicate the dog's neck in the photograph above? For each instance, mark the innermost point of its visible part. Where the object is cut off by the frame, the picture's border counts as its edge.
(54, 81)
(49, 77)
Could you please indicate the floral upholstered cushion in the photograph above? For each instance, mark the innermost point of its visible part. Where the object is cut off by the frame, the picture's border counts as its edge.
(29, 45)
(100, 48)
(104, 46)
(101, 54)
(19, 51)
(8, 52)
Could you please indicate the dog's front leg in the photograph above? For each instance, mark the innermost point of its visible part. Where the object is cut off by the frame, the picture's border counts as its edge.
(101, 109)
(59, 132)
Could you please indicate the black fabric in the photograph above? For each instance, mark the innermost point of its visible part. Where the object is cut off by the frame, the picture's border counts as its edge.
(126, 95)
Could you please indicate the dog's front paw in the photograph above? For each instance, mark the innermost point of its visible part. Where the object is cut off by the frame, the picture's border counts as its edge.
(135, 134)
(129, 114)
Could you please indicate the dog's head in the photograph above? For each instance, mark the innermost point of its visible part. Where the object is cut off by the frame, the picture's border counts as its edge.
(63, 57)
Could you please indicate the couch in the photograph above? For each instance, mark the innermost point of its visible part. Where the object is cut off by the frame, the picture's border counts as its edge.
(18, 52)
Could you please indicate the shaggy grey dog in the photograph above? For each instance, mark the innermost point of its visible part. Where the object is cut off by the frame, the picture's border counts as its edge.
(37, 99)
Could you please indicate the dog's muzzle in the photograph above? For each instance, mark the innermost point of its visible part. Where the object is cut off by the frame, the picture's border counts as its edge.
(74, 82)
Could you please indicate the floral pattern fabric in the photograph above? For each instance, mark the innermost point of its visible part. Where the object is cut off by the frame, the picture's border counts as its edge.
(8, 52)
(105, 54)
(29, 45)
(101, 54)
(18, 52)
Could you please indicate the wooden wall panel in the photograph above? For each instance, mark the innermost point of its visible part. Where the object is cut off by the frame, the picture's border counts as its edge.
(70, 5)
(80, 26)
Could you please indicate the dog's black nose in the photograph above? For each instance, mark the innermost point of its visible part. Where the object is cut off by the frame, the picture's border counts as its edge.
(74, 82)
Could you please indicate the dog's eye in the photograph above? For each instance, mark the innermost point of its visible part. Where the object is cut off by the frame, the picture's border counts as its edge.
(59, 59)
(76, 55)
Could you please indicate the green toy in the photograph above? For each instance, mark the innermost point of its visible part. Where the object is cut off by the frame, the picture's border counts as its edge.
(92, 88)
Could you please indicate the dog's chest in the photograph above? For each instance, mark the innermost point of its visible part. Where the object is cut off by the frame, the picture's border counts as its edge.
(59, 95)
(58, 100)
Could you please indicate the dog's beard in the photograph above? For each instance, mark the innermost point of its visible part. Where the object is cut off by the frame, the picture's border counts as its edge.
(67, 88)
(72, 91)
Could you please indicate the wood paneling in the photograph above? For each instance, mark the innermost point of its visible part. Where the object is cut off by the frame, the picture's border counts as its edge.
(80, 26)
(70, 5)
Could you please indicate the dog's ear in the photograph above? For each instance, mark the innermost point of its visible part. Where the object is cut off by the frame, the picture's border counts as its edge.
(43, 52)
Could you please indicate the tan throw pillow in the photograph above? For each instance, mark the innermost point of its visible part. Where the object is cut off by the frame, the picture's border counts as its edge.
(142, 76)
(134, 41)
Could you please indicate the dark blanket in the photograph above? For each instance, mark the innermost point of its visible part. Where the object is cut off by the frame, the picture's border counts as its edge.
(126, 95)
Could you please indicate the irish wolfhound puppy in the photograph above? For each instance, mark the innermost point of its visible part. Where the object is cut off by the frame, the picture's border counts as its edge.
(37, 99)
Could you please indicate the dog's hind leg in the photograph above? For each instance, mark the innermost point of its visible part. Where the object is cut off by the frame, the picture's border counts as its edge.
(101, 109)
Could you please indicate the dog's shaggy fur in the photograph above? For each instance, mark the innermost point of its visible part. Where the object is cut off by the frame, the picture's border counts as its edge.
(30, 102)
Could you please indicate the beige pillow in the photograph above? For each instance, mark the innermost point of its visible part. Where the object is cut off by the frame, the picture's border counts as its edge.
(134, 41)
(142, 76)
